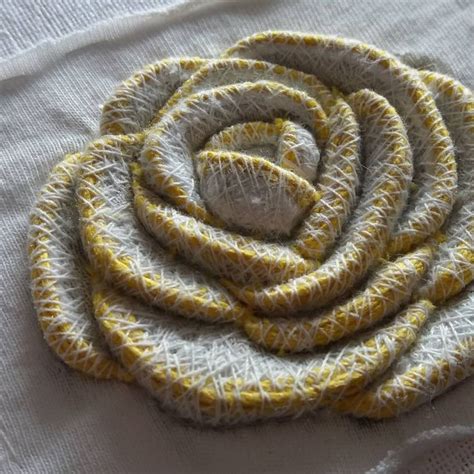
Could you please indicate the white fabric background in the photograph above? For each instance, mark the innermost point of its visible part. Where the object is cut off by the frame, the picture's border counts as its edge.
(26, 23)
(59, 69)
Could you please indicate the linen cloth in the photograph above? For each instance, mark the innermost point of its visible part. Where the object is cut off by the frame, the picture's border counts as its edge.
(54, 419)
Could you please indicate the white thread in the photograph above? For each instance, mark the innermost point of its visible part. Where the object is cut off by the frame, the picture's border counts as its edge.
(265, 196)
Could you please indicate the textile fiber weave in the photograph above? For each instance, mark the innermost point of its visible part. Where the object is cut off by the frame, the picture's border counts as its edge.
(284, 228)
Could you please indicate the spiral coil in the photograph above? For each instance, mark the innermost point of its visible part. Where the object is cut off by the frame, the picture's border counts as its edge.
(238, 214)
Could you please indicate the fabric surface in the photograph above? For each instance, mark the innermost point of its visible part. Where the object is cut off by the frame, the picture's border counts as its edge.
(50, 106)
(25, 24)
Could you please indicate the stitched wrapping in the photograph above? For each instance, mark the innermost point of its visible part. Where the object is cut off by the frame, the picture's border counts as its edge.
(284, 228)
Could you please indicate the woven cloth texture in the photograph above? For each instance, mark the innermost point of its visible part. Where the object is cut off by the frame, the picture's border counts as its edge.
(40, 74)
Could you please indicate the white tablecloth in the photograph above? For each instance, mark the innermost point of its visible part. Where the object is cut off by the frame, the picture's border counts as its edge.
(62, 60)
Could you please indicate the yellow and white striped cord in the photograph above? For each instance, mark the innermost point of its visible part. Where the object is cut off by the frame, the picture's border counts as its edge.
(238, 213)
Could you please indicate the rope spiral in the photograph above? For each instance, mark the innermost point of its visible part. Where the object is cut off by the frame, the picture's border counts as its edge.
(287, 227)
